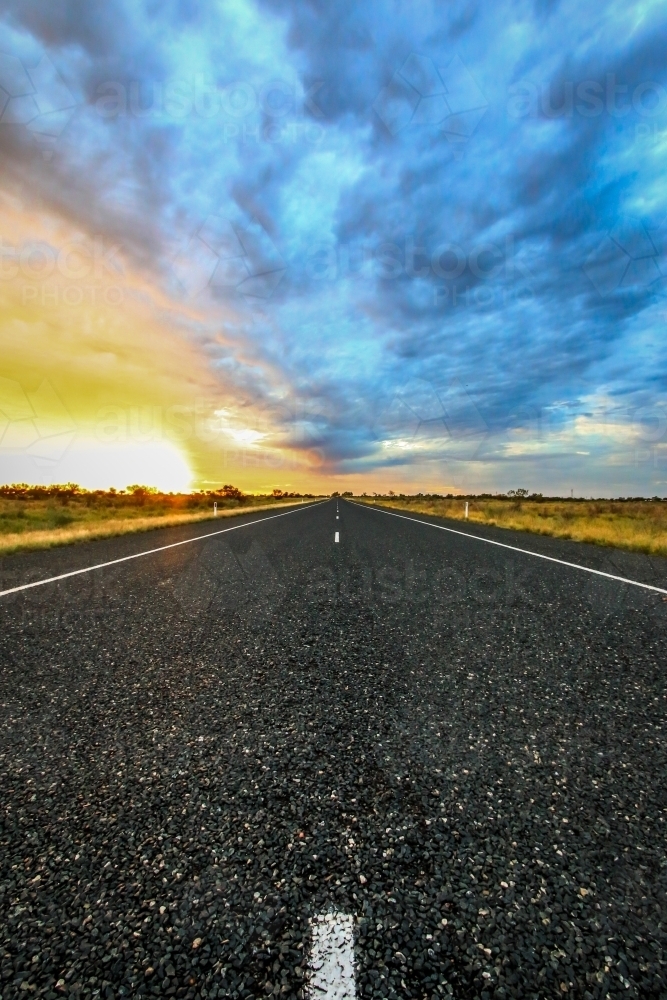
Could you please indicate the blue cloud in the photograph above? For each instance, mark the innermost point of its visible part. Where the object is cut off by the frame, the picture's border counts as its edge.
(373, 200)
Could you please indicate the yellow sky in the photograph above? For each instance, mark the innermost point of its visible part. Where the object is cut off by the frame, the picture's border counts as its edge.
(102, 376)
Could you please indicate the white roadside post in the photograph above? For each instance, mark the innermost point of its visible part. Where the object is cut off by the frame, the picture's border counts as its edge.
(466, 510)
(215, 508)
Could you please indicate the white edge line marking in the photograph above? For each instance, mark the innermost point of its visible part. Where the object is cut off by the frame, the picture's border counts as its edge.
(150, 552)
(515, 548)
(331, 973)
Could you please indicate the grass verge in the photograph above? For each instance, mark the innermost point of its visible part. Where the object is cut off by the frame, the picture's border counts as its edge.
(107, 527)
(637, 526)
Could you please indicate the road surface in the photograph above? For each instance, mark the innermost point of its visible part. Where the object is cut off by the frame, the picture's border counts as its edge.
(440, 759)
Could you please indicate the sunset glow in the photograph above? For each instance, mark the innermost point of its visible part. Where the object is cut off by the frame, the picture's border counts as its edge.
(251, 254)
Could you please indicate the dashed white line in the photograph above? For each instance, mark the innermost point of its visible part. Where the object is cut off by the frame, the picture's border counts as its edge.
(515, 548)
(331, 974)
(337, 536)
(148, 552)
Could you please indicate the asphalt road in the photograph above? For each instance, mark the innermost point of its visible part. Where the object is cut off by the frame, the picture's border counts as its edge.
(458, 749)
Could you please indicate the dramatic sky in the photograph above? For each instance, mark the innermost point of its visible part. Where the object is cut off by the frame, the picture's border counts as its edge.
(317, 244)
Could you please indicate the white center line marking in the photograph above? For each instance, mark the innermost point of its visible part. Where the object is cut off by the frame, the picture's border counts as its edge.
(332, 958)
(515, 548)
(150, 552)
(336, 536)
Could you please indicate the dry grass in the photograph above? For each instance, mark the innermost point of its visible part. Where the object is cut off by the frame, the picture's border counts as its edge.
(639, 526)
(107, 527)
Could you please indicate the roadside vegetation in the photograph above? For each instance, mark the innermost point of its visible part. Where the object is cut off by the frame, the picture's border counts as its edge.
(37, 517)
(632, 523)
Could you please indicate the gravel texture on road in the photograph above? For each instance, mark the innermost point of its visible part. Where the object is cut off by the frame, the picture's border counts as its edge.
(205, 750)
